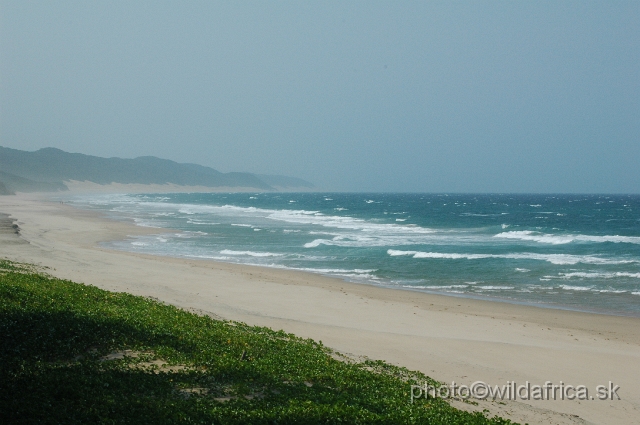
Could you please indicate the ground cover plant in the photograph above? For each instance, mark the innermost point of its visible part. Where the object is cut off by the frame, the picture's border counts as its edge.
(73, 353)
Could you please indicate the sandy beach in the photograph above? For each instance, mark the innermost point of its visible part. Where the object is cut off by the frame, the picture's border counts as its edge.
(448, 338)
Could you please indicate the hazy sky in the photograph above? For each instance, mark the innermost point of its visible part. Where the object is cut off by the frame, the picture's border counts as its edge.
(514, 96)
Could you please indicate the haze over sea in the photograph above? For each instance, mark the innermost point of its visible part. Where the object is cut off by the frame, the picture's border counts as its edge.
(566, 251)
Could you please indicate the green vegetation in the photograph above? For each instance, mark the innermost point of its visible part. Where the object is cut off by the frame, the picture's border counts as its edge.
(72, 353)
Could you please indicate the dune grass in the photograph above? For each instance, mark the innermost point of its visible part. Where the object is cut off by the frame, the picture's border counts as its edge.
(73, 353)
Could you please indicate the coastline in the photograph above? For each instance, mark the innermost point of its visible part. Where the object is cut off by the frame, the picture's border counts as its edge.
(448, 338)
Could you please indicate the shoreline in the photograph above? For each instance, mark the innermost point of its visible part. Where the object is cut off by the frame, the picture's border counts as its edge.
(446, 337)
(622, 303)
(487, 299)
(85, 189)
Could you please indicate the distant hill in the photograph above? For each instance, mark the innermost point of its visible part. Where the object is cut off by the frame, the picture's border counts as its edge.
(4, 190)
(51, 166)
(284, 182)
(13, 183)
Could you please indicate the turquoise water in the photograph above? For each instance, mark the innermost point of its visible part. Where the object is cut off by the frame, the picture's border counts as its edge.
(567, 251)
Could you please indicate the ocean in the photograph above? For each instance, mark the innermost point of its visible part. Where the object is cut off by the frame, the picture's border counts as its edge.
(578, 252)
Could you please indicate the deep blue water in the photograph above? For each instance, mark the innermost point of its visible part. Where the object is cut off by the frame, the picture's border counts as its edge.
(568, 251)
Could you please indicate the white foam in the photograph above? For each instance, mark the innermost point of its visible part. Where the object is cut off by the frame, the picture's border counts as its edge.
(188, 234)
(495, 288)
(576, 288)
(614, 239)
(597, 275)
(420, 254)
(528, 235)
(363, 232)
(450, 256)
(144, 223)
(314, 243)
(551, 258)
(198, 222)
(250, 253)
(635, 293)
(325, 271)
(566, 258)
(344, 222)
(522, 270)
(365, 276)
(359, 271)
(436, 286)
(209, 257)
(395, 252)
(371, 239)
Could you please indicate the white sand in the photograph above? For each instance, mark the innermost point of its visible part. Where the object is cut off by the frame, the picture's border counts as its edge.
(447, 338)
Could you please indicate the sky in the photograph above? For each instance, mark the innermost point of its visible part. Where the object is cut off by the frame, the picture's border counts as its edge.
(451, 96)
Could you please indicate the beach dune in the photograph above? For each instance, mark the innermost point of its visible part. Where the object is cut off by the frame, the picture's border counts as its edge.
(448, 338)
